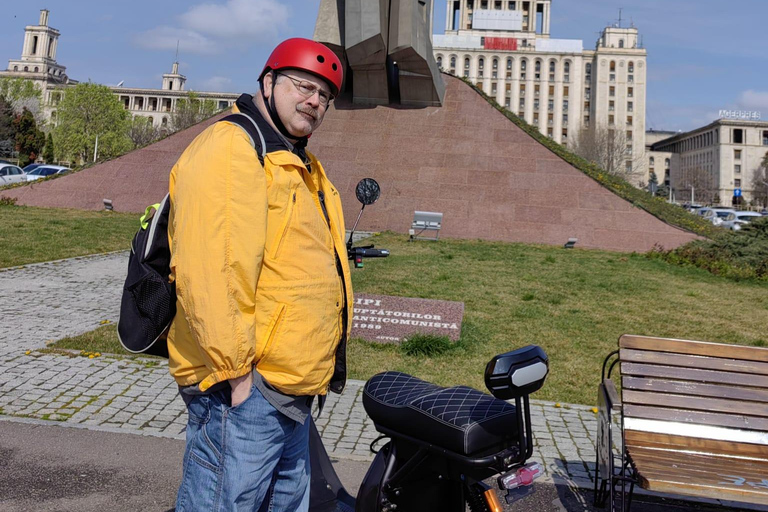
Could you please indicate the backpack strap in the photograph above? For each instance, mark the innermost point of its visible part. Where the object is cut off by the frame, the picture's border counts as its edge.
(249, 126)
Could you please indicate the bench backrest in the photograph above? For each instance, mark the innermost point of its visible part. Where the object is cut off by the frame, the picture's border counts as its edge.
(427, 220)
(678, 389)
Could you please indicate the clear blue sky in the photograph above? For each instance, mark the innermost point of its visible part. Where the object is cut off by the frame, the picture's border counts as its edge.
(703, 55)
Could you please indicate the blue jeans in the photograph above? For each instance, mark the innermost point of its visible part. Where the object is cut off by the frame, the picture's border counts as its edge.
(249, 457)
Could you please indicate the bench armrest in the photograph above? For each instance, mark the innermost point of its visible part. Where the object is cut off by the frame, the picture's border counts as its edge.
(613, 394)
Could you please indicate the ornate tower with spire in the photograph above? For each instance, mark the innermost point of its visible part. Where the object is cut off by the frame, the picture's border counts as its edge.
(38, 54)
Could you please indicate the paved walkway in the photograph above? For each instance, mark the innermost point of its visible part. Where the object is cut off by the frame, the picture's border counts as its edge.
(49, 301)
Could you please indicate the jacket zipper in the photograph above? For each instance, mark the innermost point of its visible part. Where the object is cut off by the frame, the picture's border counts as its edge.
(288, 216)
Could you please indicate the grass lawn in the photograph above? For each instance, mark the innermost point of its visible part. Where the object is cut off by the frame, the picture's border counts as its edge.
(31, 235)
(574, 303)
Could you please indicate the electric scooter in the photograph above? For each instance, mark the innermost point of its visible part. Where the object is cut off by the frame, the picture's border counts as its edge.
(442, 444)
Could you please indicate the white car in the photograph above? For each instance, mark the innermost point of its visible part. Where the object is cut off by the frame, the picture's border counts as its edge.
(717, 215)
(46, 170)
(11, 174)
(736, 220)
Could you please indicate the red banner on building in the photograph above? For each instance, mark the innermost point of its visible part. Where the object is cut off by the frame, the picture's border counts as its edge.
(500, 43)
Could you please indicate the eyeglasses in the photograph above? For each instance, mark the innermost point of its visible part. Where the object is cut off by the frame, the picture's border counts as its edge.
(308, 89)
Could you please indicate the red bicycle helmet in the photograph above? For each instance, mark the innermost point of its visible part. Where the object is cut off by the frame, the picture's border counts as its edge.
(309, 56)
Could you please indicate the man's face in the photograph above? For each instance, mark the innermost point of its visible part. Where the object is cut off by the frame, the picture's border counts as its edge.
(300, 113)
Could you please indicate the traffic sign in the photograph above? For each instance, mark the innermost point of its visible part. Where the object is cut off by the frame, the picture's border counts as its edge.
(737, 192)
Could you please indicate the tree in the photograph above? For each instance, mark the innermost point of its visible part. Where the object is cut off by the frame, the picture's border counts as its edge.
(29, 139)
(86, 114)
(609, 149)
(699, 185)
(7, 133)
(190, 111)
(142, 131)
(22, 94)
(760, 183)
(48, 154)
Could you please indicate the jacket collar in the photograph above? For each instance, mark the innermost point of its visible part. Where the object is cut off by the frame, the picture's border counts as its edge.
(272, 138)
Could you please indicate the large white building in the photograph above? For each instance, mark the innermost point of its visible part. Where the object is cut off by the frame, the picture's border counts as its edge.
(715, 163)
(505, 47)
(38, 63)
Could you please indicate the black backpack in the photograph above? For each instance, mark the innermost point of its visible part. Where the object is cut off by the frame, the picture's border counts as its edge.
(148, 303)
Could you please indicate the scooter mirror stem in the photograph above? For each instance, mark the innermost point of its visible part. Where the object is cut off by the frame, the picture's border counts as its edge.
(351, 233)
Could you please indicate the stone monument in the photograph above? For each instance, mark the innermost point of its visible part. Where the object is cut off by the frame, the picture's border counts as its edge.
(386, 47)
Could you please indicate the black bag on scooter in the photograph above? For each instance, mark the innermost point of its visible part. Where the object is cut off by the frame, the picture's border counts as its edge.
(148, 302)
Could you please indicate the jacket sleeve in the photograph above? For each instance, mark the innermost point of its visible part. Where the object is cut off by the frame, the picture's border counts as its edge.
(219, 195)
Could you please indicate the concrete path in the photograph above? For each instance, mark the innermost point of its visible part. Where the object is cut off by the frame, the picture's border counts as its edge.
(111, 393)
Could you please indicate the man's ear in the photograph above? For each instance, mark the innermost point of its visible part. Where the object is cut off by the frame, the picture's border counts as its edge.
(266, 82)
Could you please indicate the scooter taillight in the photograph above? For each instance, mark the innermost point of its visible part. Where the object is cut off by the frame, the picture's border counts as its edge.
(522, 477)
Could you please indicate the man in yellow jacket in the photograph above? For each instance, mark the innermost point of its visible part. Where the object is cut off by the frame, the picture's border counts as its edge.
(264, 296)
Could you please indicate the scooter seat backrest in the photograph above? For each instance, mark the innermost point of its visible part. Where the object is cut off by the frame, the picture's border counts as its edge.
(460, 419)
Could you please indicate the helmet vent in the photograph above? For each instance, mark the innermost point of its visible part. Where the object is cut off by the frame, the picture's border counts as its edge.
(320, 59)
(334, 66)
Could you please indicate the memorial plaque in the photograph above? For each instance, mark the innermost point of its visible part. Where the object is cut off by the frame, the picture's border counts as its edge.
(391, 319)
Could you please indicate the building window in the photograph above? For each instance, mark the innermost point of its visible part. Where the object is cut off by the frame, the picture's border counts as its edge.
(629, 134)
(765, 138)
(565, 91)
(466, 62)
(630, 92)
(511, 6)
(480, 74)
(493, 87)
(612, 91)
(588, 94)
(495, 63)
(666, 163)
(612, 77)
(651, 161)
(509, 63)
(506, 103)
(551, 90)
(588, 72)
(453, 62)
(550, 133)
(738, 136)
(737, 154)
(440, 61)
(630, 106)
(621, 43)
(550, 119)
(466, 73)
(523, 65)
(628, 166)
(611, 120)
(536, 89)
(550, 104)
(508, 89)
(536, 104)
(586, 119)
(631, 67)
(497, 5)
(631, 79)
(494, 74)
(522, 90)
(565, 105)
(737, 168)
(535, 118)
(522, 104)
(586, 106)
(613, 66)
(611, 106)
(629, 120)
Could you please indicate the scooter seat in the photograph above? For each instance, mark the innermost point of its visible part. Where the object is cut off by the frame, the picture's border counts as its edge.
(460, 419)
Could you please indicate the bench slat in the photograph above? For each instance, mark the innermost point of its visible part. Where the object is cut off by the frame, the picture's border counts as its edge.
(696, 417)
(700, 348)
(725, 364)
(654, 461)
(677, 373)
(697, 403)
(698, 388)
(716, 448)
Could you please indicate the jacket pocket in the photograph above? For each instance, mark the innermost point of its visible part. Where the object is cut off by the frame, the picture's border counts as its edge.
(269, 334)
(283, 232)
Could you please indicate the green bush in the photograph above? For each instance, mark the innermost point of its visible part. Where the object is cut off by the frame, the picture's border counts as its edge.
(739, 255)
(426, 345)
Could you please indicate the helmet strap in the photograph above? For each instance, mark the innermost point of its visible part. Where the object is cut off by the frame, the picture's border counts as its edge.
(272, 110)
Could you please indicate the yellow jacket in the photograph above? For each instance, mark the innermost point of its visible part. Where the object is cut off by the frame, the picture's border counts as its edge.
(255, 267)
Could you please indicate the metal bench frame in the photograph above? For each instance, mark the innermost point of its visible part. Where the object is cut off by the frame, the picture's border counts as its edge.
(426, 221)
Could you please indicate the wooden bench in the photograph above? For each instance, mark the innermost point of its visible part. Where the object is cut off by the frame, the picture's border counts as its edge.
(693, 421)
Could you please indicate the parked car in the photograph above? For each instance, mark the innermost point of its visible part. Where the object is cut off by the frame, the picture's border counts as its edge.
(717, 215)
(11, 174)
(764, 211)
(32, 167)
(46, 170)
(736, 220)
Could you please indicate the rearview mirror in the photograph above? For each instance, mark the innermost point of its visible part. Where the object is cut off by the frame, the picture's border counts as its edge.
(367, 191)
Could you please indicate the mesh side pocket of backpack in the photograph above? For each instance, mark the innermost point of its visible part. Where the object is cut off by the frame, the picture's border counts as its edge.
(153, 301)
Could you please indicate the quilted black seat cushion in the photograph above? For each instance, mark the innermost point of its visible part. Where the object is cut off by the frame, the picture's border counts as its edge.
(460, 419)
